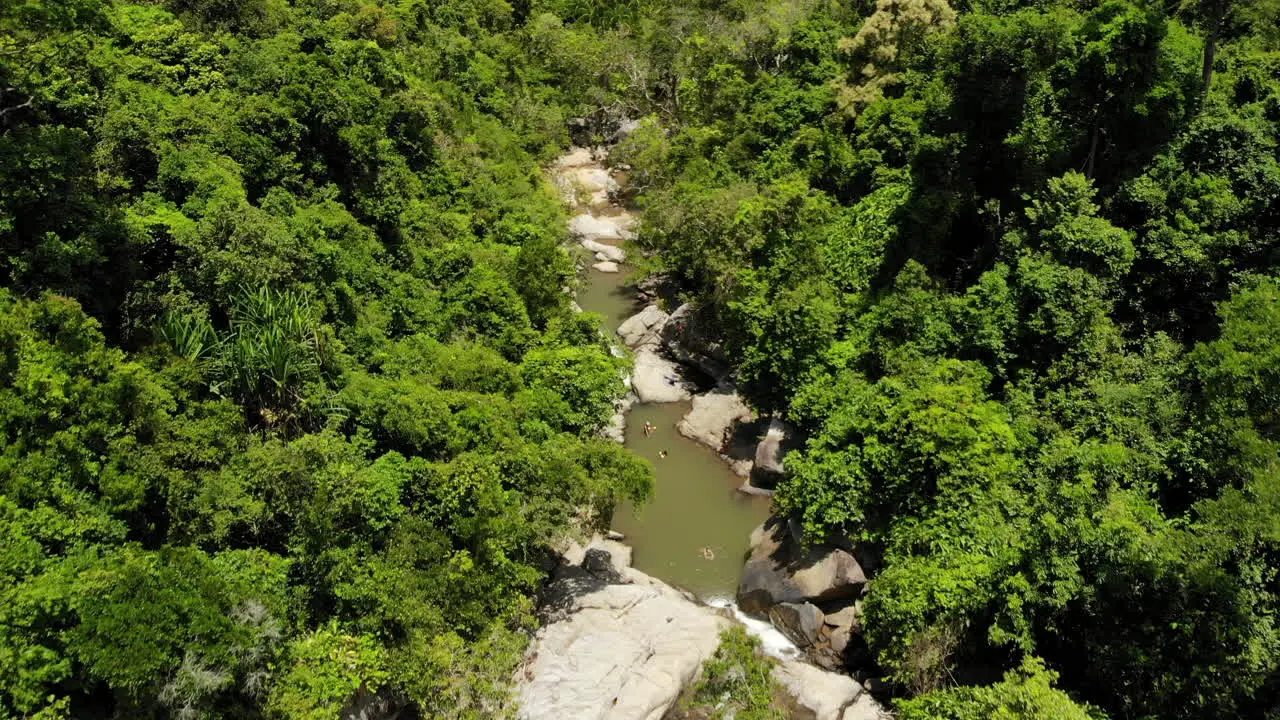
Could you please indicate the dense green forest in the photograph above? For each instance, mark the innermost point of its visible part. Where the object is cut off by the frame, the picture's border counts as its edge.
(292, 399)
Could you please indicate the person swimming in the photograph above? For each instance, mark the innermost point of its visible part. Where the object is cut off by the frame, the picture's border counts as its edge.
(649, 428)
(708, 553)
(662, 453)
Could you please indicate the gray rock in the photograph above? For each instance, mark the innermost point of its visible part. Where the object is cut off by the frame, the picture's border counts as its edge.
(571, 552)
(644, 329)
(800, 622)
(621, 652)
(866, 708)
(778, 570)
(589, 227)
(625, 128)
(771, 453)
(608, 252)
(616, 430)
(842, 625)
(713, 417)
(619, 554)
(606, 266)
(693, 337)
(823, 693)
(658, 380)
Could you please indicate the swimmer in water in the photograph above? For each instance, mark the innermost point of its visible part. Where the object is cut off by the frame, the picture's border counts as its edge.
(662, 453)
(649, 428)
(708, 554)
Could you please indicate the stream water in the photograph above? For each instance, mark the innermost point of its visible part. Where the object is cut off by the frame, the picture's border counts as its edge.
(694, 533)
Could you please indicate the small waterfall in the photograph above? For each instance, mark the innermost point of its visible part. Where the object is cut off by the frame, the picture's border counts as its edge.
(774, 643)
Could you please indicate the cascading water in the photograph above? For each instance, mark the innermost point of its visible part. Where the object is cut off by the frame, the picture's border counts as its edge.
(774, 643)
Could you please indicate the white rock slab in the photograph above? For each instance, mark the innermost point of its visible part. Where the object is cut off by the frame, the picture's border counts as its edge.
(606, 252)
(713, 417)
(656, 379)
(624, 653)
(644, 328)
(589, 227)
(824, 693)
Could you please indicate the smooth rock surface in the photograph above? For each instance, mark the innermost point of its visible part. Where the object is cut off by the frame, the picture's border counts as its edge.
(841, 626)
(590, 227)
(825, 694)
(576, 157)
(800, 622)
(644, 328)
(778, 571)
(713, 417)
(606, 266)
(608, 252)
(616, 430)
(656, 379)
(771, 454)
(866, 708)
(617, 651)
(692, 337)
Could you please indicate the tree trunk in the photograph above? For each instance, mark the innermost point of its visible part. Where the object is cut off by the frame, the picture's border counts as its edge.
(1210, 52)
(1093, 152)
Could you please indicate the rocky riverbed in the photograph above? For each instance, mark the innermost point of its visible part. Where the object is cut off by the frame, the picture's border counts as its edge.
(620, 643)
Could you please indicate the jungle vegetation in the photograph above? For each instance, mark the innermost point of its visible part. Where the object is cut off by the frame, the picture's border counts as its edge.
(292, 399)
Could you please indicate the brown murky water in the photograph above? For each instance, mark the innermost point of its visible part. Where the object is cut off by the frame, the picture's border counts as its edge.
(695, 531)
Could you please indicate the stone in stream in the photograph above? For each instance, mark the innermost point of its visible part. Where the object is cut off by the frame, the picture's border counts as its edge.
(607, 252)
(713, 418)
(800, 622)
(590, 227)
(576, 157)
(644, 329)
(656, 379)
(779, 571)
(841, 626)
(692, 336)
(606, 266)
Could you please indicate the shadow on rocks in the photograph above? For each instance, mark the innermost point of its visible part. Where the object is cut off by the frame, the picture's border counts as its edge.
(570, 582)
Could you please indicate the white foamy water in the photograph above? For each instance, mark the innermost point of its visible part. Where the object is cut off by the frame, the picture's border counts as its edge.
(774, 643)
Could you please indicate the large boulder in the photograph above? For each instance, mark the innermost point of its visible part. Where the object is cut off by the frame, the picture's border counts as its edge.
(841, 626)
(779, 439)
(590, 227)
(658, 380)
(644, 328)
(606, 266)
(693, 337)
(714, 417)
(800, 622)
(615, 651)
(779, 570)
(609, 253)
(576, 157)
(866, 708)
(825, 694)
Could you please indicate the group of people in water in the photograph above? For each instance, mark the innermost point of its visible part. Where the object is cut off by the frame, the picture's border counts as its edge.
(649, 429)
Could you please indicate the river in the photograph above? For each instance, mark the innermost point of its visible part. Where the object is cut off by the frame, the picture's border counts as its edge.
(695, 531)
